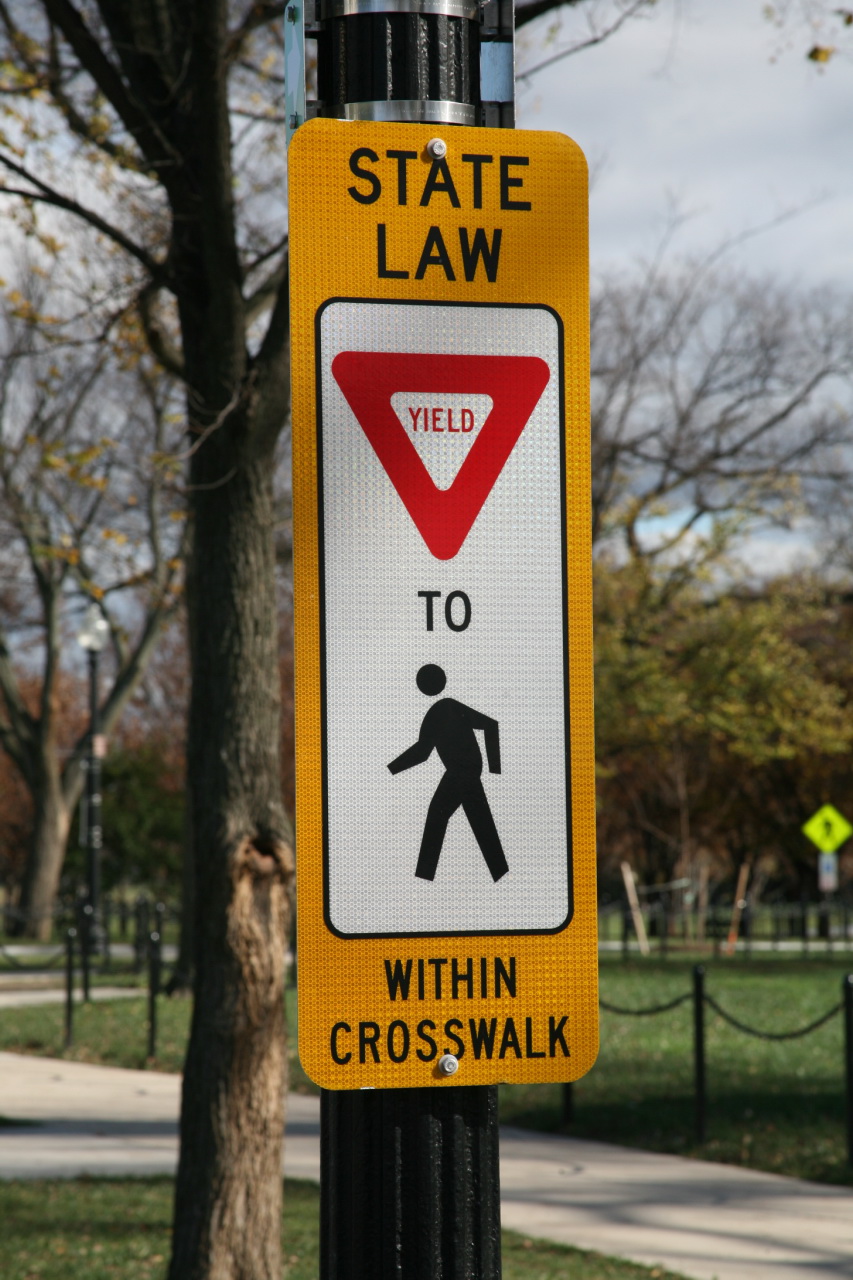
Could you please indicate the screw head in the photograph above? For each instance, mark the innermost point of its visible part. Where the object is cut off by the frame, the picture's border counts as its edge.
(437, 148)
(448, 1065)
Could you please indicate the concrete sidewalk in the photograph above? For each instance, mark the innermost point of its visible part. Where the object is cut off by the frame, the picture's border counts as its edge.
(703, 1220)
(26, 999)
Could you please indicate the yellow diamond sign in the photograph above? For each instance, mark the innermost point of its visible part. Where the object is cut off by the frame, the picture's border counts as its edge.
(828, 829)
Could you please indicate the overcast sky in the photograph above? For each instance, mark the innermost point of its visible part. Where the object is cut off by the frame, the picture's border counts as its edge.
(688, 109)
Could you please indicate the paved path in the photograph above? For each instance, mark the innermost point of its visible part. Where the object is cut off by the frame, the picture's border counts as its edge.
(703, 1220)
(34, 995)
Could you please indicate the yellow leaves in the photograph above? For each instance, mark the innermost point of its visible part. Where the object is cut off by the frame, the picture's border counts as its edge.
(820, 53)
(114, 535)
(65, 552)
(22, 308)
(73, 464)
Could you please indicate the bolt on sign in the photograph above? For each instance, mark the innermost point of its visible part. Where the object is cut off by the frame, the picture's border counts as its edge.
(445, 788)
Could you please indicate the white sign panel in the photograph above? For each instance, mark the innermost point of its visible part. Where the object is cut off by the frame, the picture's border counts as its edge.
(444, 619)
(827, 872)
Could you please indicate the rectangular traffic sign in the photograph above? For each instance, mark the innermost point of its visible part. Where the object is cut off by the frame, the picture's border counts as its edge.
(445, 804)
(827, 872)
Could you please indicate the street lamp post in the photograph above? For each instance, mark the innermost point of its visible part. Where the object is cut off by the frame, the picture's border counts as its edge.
(92, 637)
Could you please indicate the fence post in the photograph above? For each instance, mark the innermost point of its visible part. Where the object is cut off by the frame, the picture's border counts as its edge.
(69, 987)
(153, 990)
(847, 992)
(86, 932)
(699, 1047)
(160, 913)
(140, 937)
(663, 925)
(106, 922)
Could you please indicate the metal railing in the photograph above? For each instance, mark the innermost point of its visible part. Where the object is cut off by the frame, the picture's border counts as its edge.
(701, 999)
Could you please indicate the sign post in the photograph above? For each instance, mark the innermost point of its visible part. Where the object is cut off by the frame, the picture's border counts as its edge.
(445, 806)
(828, 830)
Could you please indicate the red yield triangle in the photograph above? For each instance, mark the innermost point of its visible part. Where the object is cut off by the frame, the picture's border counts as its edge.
(368, 380)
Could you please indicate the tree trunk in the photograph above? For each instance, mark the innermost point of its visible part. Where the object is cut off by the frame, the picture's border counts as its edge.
(229, 1188)
(52, 820)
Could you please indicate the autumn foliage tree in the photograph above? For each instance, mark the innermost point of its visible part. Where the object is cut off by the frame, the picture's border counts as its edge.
(85, 517)
(722, 407)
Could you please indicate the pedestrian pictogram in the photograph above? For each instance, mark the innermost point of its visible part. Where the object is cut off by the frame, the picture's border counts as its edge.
(828, 829)
(513, 385)
(442, 606)
(448, 729)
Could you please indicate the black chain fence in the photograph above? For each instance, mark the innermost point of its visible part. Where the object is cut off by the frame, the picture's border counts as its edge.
(136, 926)
(646, 1013)
(702, 999)
(773, 1035)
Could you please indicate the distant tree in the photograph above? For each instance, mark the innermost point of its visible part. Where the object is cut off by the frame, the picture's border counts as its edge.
(86, 513)
(721, 405)
(718, 398)
(709, 706)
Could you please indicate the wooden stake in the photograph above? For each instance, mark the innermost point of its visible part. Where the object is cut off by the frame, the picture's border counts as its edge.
(634, 904)
(737, 909)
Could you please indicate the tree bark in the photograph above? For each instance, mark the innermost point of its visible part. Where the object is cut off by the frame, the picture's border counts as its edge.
(52, 820)
(228, 1195)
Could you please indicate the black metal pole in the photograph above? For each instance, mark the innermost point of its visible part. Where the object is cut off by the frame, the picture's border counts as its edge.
(153, 990)
(106, 923)
(847, 996)
(699, 1048)
(568, 1105)
(409, 1177)
(86, 914)
(69, 987)
(93, 801)
(409, 1182)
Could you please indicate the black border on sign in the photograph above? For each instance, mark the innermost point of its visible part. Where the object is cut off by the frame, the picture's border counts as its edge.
(321, 560)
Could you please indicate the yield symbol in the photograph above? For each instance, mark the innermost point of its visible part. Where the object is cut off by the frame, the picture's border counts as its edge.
(368, 380)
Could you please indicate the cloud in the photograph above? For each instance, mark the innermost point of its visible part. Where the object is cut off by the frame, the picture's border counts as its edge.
(692, 109)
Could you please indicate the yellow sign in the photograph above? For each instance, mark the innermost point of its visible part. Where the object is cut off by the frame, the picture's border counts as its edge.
(828, 829)
(442, 585)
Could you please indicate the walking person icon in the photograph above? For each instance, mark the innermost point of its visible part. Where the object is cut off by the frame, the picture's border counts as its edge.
(448, 728)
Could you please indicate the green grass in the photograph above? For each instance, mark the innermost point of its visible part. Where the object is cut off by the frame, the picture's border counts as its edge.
(101, 1229)
(111, 1032)
(115, 1033)
(777, 1106)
